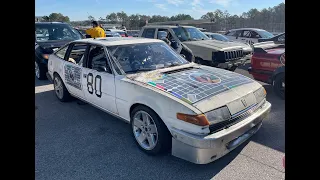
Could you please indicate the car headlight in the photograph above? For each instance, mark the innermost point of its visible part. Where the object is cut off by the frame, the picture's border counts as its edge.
(260, 94)
(218, 115)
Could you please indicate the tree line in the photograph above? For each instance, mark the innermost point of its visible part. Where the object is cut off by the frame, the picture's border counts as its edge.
(252, 18)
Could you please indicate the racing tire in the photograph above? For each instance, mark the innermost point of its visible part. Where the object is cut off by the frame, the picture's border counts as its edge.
(40, 71)
(60, 89)
(279, 85)
(150, 133)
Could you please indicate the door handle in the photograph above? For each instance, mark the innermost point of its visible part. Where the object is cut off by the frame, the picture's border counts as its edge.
(85, 75)
(242, 39)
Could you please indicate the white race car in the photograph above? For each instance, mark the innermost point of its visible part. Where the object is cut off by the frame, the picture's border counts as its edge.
(200, 113)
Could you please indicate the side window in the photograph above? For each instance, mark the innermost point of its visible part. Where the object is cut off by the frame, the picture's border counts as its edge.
(62, 52)
(148, 33)
(76, 55)
(231, 33)
(97, 59)
(255, 35)
(246, 34)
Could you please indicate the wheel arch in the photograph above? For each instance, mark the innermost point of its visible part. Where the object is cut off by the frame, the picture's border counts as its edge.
(278, 71)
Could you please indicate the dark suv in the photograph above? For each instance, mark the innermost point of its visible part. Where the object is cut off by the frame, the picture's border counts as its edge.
(50, 36)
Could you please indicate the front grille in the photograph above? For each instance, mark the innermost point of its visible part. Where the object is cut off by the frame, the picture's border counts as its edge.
(233, 55)
(235, 118)
(223, 56)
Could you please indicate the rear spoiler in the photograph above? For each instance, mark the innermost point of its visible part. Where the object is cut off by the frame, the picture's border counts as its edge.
(261, 47)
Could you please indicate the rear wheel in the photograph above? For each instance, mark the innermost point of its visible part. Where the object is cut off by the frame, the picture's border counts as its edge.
(40, 70)
(150, 133)
(60, 89)
(279, 85)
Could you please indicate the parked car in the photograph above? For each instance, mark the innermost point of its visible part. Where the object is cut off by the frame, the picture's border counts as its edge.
(197, 47)
(121, 32)
(133, 33)
(50, 36)
(278, 39)
(248, 35)
(200, 113)
(268, 65)
(112, 34)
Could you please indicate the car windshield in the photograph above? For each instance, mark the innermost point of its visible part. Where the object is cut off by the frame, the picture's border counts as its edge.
(189, 34)
(219, 37)
(265, 34)
(54, 32)
(145, 56)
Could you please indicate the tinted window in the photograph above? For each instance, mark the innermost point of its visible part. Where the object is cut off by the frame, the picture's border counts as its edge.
(265, 34)
(219, 37)
(189, 34)
(255, 35)
(53, 32)
(231, 33)
(97, 59)
(62, 52)
(148, 33)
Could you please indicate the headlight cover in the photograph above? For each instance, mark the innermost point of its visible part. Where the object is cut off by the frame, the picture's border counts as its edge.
(218, 115)
(260, 94)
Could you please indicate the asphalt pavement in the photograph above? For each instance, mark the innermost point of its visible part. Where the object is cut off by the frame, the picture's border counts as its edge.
(81, 142)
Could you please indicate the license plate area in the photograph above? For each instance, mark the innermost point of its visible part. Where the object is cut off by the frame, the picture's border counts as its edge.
(234, 143)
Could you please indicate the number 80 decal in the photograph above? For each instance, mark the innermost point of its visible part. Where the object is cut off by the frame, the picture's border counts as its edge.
(97, 86)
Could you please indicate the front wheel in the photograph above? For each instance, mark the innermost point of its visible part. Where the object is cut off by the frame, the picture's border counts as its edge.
(60, 89)
(150, 133)
(40, 70)
(279, 85)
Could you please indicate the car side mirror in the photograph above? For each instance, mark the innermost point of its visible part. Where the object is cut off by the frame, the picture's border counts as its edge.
(88, 36)
(101, 69)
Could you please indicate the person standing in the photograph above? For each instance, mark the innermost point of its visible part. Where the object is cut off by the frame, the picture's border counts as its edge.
(96, 31)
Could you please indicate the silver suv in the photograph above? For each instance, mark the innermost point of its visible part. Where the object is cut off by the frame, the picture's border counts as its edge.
(195, 46)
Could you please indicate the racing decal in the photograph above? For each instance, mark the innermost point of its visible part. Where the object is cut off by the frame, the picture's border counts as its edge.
(193, 85)
(97, 84)
(204, 78)
(73, 76)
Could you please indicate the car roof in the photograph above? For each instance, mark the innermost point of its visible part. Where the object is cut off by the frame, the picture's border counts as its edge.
(115, 30)
(51, 23)
(252, 29)
(111, 41)
(165, 26)
(211, 33)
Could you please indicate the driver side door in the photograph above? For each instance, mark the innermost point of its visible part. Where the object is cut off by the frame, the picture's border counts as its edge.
(98, 80)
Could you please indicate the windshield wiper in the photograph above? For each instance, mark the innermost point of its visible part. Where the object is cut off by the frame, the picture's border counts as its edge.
(140, 70)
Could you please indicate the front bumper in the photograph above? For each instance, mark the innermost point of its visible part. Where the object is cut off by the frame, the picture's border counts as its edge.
(205, 149)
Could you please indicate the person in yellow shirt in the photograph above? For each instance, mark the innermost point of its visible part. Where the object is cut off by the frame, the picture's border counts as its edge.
(96, 31)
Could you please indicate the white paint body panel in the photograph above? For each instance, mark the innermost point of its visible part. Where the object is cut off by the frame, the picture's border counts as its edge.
(119, 93)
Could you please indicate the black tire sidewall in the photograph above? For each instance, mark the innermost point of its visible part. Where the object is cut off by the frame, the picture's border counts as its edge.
(66, 95)
(164, 136)
(42, 70)
(277, 84)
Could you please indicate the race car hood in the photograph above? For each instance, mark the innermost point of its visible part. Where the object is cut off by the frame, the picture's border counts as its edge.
(217, 45)
(203, 87)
